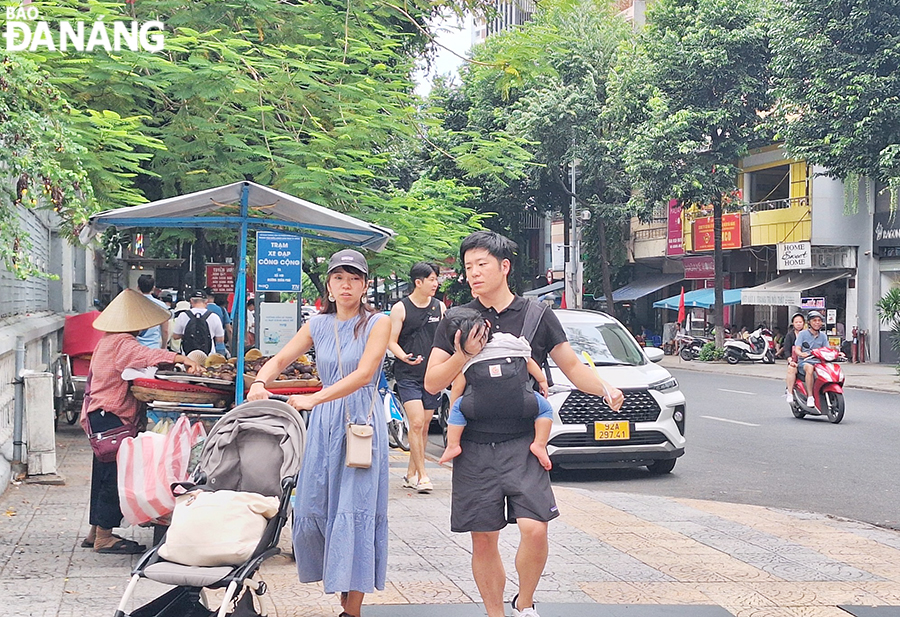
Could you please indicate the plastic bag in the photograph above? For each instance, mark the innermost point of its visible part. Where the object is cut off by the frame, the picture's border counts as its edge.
(147, 467)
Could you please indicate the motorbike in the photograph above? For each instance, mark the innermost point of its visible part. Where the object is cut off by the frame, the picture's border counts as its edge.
(828, 388)
(756, 348)
(691, 346)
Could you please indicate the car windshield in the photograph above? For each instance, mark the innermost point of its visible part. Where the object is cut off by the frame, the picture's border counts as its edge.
(606, 343)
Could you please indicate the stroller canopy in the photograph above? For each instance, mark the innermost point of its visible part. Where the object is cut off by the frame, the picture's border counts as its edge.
(254, 447)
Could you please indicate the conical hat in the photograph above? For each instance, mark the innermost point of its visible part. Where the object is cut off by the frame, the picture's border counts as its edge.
(130, 311)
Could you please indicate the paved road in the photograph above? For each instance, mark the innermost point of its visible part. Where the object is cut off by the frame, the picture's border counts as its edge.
(744, 446)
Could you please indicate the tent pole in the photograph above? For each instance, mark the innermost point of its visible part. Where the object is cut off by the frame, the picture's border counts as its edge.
(240, 316)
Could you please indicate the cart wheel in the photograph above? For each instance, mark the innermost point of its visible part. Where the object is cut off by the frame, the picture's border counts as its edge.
(63, 389)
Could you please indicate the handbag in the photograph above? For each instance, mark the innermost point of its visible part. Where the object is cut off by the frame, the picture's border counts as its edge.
(358, 452)
(217, 528)
(106, 444)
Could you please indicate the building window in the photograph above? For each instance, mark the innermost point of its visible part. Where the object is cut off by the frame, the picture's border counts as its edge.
(768, 185)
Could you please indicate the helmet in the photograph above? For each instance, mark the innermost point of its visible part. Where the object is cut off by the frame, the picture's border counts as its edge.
(813, 314)
(797, 314)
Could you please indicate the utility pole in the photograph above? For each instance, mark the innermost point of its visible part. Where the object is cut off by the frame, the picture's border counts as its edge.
(574, 269)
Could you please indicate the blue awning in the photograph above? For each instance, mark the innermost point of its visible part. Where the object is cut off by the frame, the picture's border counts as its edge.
(700, 298)
(642, 286)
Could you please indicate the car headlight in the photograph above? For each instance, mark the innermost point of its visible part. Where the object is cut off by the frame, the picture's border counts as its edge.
(664, 385)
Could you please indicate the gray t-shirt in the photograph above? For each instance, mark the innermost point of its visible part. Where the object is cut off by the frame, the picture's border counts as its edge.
(806, 341)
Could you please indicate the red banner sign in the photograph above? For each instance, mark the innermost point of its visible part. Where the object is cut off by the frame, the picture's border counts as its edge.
(697, 268)
(704, 238)
(674, 233)
(220, 277)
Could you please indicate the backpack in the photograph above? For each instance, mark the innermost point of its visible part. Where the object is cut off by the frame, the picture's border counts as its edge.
(196, 334)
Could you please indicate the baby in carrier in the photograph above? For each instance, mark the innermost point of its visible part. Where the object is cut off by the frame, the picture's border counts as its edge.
(495, 384)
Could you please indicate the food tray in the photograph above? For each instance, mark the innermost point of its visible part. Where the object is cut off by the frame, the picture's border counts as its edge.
(149, 390)
(285, 383)
(174, 386)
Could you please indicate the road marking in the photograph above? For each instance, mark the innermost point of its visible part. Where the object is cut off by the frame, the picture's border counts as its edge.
(727, 420)
(736, 391)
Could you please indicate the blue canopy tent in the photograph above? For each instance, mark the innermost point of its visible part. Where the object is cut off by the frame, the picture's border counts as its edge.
(243, 206)
(699, 298)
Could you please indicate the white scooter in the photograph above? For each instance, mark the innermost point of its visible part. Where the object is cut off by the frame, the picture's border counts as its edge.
(757, 347)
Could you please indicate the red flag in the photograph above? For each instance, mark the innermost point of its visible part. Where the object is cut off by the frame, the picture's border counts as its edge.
(681, 314)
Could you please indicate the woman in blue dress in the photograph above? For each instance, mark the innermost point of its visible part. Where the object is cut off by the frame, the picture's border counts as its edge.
(340, 515)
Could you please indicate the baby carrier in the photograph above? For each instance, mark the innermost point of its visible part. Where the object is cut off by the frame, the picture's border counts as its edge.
(499, 397)
(257, 448)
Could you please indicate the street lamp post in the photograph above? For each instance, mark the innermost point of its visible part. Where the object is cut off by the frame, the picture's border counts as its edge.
(574, 268)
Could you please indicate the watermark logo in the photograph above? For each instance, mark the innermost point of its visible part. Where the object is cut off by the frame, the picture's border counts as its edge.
(25, 31)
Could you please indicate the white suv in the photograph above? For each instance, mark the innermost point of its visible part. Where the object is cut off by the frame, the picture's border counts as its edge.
(647, 431)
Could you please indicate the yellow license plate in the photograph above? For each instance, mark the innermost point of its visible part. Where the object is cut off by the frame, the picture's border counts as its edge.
(606, 431)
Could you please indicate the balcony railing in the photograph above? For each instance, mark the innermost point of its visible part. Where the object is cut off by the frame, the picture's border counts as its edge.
(776, 204)
(654, 233)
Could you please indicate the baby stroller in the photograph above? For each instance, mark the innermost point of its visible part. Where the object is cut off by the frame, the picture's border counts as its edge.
(256, 447)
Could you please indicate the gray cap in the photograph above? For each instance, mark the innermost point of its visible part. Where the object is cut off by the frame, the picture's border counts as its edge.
(350, 258)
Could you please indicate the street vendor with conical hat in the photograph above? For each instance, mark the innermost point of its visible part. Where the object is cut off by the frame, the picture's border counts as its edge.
(109, 404)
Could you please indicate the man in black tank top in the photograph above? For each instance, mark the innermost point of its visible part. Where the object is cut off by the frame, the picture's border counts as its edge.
(414, 321)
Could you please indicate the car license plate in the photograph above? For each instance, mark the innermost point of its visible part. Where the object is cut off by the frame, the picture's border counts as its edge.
(606, 431)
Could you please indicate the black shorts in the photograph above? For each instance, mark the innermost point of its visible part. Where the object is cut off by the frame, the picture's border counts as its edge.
(494, 484)
(412, 390)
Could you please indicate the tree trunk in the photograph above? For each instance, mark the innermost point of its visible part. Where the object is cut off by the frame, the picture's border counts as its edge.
(719, 306)
(604, 268)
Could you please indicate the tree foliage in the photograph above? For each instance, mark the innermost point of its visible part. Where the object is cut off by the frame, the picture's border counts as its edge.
(313, 98)
(837, 78)
(692, 94)
(537, 92)
(54, 156)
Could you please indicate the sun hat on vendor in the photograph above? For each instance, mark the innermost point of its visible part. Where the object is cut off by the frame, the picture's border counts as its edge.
(130, 311)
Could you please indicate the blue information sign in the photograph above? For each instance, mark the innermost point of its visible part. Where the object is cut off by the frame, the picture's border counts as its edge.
(278, 264)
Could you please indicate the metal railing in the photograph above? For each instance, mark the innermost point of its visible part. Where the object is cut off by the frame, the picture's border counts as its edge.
(654, 233)
(776, 204)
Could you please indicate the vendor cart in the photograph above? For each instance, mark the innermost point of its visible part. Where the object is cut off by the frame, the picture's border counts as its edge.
(70, 369)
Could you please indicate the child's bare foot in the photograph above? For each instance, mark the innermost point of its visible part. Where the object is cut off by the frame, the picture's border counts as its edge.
(541, 453)
(450, 453)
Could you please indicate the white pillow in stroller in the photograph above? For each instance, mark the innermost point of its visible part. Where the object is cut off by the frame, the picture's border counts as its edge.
(216, 528)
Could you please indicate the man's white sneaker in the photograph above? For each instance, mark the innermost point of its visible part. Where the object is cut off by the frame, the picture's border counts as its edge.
(413, 483)
(789, 397)
(525, 612)
(811, 401)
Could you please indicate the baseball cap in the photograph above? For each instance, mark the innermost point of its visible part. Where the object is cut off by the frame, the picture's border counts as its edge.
(199, 294)
(350, 258)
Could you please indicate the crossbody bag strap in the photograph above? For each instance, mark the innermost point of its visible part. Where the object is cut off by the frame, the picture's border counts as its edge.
(337, 346)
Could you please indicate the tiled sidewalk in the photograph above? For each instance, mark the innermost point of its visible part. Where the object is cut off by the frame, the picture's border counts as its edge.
(634, 552)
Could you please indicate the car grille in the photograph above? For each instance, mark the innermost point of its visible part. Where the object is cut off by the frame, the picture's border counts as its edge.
(583, 408)
(586, 440)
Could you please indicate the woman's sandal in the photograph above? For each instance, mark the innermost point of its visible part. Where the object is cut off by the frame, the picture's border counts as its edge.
(123, 547)
(90, 543)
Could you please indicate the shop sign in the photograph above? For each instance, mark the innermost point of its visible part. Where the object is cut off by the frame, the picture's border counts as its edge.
(887, 230)
(794, 256)
(699, 268)
(704, 232)
(220, 278)
(809, 304)
(762, 297)
(278, 265)
(674, 231)
(831, 316)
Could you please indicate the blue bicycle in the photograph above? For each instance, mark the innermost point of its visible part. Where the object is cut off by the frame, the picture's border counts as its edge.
(395, 415)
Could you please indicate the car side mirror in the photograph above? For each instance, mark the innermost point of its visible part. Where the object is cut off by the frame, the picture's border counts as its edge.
(654, 354)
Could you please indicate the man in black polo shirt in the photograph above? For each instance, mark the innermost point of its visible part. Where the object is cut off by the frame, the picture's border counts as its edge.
(501, 482)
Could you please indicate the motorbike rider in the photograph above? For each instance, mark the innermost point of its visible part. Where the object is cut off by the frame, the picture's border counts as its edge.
(807, 340)
(798, 322)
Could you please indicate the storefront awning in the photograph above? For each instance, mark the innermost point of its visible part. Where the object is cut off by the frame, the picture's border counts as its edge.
(540, 291)
(700, 298)
(643, 286)
(786, 289)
